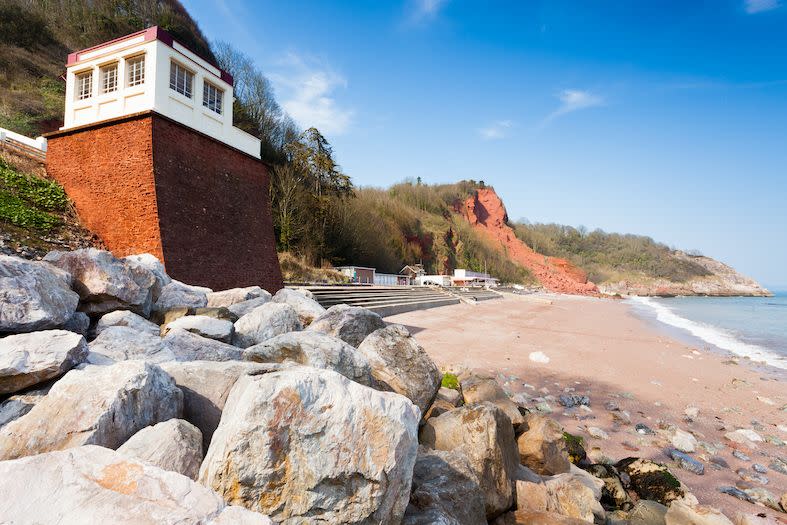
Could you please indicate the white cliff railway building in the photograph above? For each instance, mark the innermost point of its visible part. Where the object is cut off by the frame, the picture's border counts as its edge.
(148, 70)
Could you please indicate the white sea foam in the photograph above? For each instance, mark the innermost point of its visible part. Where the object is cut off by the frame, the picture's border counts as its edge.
(713, 335)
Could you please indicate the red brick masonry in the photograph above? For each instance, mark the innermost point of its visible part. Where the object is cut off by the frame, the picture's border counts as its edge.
(145, 183)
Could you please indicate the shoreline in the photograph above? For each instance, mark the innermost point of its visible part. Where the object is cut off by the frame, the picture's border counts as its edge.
(682, 330)
(601, 349)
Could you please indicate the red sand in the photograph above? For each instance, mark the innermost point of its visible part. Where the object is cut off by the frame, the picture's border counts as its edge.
(599, 349)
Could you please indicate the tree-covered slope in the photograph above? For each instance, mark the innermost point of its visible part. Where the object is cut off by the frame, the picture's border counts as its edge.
(37, 35)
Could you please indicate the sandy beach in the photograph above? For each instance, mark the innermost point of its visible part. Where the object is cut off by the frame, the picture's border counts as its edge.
(598, 348)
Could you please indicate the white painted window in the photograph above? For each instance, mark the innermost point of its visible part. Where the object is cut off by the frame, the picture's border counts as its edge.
(136, 70)
(109, 78)
(180, 79)
(212, 97)
(84, 85)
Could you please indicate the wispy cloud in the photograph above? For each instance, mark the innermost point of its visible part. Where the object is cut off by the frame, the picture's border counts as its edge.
(308, 90)
(760, 6)
(425, 10)
(496, 130)
(574, 100)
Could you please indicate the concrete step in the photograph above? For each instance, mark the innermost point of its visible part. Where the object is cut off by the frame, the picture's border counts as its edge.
(387, 300)
(400, 308)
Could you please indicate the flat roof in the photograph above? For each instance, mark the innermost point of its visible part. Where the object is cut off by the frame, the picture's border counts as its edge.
(145, 35)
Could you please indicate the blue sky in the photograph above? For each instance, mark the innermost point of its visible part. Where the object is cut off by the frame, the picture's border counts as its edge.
(667, 119)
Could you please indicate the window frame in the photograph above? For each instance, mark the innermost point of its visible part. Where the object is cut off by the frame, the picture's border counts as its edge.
(102, 77)
(79, 91)
(135, 76)
(218, 97)
(187, 79)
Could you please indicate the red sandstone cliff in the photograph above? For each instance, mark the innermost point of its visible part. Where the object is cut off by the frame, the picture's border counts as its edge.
(486, 212)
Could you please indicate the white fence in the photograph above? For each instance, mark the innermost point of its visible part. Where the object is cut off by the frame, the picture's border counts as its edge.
(39, 143)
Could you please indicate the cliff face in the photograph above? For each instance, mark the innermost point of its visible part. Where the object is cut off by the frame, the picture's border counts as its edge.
(486, 212)
(723, 282)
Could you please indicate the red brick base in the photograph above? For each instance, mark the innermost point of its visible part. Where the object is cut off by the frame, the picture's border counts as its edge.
(145, 183)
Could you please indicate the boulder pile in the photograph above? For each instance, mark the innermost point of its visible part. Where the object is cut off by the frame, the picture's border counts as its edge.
(129, 397)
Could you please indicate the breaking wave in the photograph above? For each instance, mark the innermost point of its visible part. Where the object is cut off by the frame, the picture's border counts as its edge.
(714, 335)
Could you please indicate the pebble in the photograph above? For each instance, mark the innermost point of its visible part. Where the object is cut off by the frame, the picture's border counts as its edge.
(692, 413)
(611, 406)
(720, 461)
(759, 468)
(573, 400)
(763, 496)
(687, 462)
(779, 466)
(597, 433)
(622, 417)
(738, 493)
(740, 455)
(684, 441)
(644, 429)
(544, 407)
(630, 446)
(745, 475)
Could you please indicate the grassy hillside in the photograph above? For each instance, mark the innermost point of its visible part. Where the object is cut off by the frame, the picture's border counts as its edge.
(37, 35)
(36, 215)
(609, 256)
(412, 222)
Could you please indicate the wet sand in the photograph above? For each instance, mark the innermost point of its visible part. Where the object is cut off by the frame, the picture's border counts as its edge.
(598, 348)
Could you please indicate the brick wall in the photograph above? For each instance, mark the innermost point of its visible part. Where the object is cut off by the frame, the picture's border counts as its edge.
(107, 170)
(214, 210)
(147, 184)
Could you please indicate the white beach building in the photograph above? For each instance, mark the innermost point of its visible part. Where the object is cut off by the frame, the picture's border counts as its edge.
(149, 70)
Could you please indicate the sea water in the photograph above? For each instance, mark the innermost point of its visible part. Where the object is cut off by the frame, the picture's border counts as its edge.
(754, 327)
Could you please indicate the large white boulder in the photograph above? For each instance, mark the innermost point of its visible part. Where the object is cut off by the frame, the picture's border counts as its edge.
(205, 386)
(126, 318)
(572, 495)
(188, 346)
(174, 445)
(154, 266)
(34, 295)
(477, 389)
(445, 490)
(241, 309)
(306, 445)
(308, 309)
(681, 513)
(209, 327)
(98, 405)
(485, 435)
(92, 485)
(264, 322)
(401, 365)
(177, 294)
(236, 295)
(313, 349)
(29, 359)
(121, 343)
(351, 324)
(106, 283)
(542, 446)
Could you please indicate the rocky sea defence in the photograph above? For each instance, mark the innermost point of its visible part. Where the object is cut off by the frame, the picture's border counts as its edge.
(127, 397)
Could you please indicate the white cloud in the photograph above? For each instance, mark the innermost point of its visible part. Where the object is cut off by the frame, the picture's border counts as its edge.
(422, 10)
(308, 94)
(760, 6)
(496, 130)
(574, 100)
